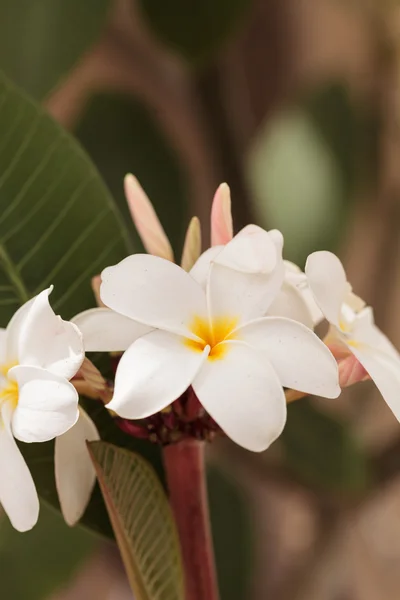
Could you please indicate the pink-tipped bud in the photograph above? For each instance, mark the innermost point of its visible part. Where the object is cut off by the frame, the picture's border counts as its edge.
(351, 371)
(146, 221)
(96, 283)
(89, 373)
(221, 217)
(192, 246)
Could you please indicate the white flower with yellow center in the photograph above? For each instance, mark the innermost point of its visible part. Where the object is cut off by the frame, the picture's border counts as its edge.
(353, 327)
(39, 353)
(214, 339)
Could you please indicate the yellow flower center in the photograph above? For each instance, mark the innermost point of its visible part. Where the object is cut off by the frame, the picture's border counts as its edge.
(212, 333)
(9, 388)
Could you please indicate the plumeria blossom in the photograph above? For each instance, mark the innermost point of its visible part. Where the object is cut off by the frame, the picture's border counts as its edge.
(352, 327)
(39, 353)
(215, 339)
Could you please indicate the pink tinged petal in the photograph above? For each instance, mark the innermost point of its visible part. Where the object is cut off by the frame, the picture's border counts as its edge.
(49, 342)
(154, 372)
(246, 276)
(74, 471)
(221, 216)
(300, 359)
(96, 283)
(18, 495)
(384, 370)
(47, 404)
(155, 292)
(351, 371)
(242, 393)
(104, 330)
(192, 246)
(290, 303)
(201, 268)
(327, 281)
(146, 221)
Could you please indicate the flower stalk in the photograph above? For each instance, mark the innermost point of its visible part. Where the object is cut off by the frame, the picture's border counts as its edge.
(184, 465)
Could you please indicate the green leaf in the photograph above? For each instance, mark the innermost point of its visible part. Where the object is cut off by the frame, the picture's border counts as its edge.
(195, 29)
(233, 535)
(41, 41)
(58, 223)
(323, 451)
(143, 523)
(36, 564)
(122, 136)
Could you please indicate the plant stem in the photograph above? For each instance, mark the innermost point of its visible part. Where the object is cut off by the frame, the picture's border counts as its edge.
(184, 464)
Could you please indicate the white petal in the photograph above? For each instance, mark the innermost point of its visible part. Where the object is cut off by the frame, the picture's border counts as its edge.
(47, 404)
(104, 330)
(252, 250)
(246, 276)
(327, 281)
(153, 291)
(152, 373)
(291, 303)
(49, 342)
(243, 394)
(18, 494)
(201, 268)
(74, 471)
(384, 370)
(300, 358)
(14, 330)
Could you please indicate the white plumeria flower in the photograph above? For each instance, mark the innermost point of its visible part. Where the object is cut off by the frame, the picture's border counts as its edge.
(39, 353)
(352, 325)
(214, 339)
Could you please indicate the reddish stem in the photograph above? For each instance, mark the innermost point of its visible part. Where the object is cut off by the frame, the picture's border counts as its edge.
(184, 464)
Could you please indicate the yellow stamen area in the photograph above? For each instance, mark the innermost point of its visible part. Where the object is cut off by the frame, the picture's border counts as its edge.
(212, 334)
(9, 392)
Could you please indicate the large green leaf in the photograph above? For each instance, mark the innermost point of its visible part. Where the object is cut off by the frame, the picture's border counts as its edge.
(142, 521)
(58, 223)
(41, 40)
(38, 563)
(323, 451)
(195, 29)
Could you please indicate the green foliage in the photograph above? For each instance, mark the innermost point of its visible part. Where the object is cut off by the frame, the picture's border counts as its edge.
(232, 528)
(142, 521)
(122, 137)
(41, 41)
(36, 564)
(195, 29)
(323, 450)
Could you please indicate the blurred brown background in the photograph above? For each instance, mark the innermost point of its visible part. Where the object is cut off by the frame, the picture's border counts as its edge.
(297, 107)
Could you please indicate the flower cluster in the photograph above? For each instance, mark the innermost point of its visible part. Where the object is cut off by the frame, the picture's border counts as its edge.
(215, 345)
